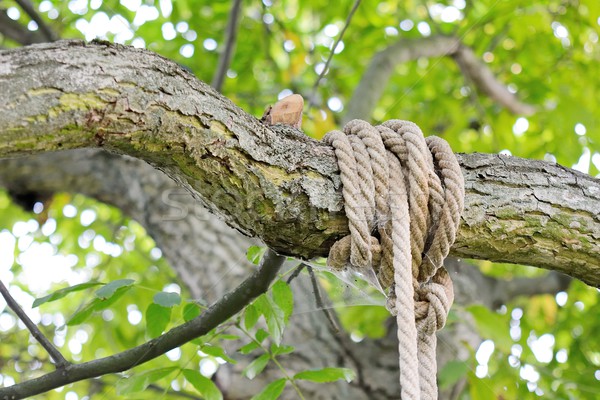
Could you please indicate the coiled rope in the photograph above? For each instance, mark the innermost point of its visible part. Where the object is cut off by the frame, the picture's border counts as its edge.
(403, 196)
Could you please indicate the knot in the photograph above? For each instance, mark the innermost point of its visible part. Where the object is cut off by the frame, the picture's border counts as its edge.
(432, 303)
(403, 195)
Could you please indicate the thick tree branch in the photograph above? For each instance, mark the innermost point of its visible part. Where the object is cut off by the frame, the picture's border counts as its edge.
(506, 290)
(376, 77)
(494, 292)
(134, 102)
(228, 306)
(57, 357)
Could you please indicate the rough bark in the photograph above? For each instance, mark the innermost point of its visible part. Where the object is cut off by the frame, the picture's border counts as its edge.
(275, 183)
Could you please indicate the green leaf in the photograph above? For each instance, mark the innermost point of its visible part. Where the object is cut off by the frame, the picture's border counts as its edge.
(248, 348)
(157, 319)
(167, 299)
(256, 366)
(272, 391)
(228, 337)
(59, 294)
(492, 325)
(139, 382)
(217, 351)
(251, 316)
(261, 335)
(203, 385)
(190, 311)
(283, 297)
(274, 316)
(96, 304)
(83, 313)
(109, 290)
(278, 350)
(276, 324)
(452, 372)
(255, 253)
(326, 375)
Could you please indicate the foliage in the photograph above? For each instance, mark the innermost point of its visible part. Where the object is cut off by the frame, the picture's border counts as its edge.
(112, 289)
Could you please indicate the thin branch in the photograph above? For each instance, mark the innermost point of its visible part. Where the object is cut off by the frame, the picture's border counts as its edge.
(57, 357)
(229, 305)
(17, 32)
(485, 81)
(376, 77)
(319, 300)
(44, 28)
(231, 36)
(317, 293)
(332, 52)
(296, 272)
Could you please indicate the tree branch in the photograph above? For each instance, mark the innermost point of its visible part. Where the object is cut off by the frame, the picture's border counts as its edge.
(17, 32)
(332, 52)
(506, 290)
(484, 80)
(229, 305)
(494, 292)
(57, 357)
(33, 14)
(382, 65)
(376, 77)
(230, 38)
(272, 182)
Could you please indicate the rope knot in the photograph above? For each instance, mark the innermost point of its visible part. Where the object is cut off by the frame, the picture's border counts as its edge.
(432, 304)
(411, 191)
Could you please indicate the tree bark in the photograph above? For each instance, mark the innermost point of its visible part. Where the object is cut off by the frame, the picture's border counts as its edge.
(272, 182)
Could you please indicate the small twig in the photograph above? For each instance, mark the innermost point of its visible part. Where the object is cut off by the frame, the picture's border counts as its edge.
(44, 28)
(332, 52)
(57, 357)
(296, 272)
(319, 299)
(231, 36)
(229, 305)
(317, 292)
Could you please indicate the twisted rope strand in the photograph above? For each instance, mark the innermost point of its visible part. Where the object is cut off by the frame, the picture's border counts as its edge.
(360, 234)
(403, 281)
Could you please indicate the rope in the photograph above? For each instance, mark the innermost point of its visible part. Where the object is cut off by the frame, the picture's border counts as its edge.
(403, 195)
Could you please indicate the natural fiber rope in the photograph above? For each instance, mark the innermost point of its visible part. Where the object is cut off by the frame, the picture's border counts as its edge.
(410, 190)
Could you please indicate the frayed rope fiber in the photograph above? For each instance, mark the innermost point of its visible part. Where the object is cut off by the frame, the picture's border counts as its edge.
(403, 196)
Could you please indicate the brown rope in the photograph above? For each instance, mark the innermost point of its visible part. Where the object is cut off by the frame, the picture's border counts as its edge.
(410, 190)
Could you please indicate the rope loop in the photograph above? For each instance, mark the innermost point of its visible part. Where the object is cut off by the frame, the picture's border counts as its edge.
(403, 195)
